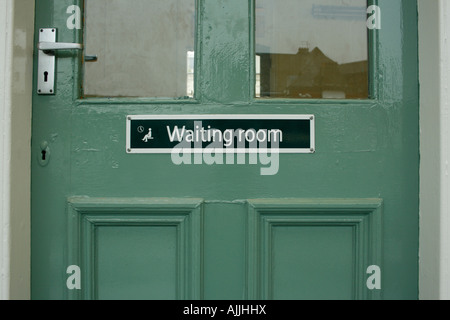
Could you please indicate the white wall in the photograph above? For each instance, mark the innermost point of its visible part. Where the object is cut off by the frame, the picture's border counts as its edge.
(5, 115)
(21, 103)
(434, 46)
(16, 67)
(444, 239)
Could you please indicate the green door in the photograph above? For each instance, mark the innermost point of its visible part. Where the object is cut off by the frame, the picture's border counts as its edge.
(337, 219)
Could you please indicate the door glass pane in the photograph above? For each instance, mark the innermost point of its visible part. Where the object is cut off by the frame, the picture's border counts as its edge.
(144, 48)
(311, 49)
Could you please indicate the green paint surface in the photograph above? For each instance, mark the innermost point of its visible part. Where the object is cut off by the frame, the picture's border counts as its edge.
(298, 255)
(136, 262)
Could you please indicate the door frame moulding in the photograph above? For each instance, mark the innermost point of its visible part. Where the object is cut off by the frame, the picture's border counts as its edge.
(16, 70)
(86, 216)
(363, 216)
(434, 70)
(6, 15)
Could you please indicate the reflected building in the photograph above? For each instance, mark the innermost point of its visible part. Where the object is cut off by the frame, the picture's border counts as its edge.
(311, 74)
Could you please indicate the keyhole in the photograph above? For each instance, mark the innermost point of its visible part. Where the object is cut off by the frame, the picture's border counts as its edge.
(45, 76)
(44, 154)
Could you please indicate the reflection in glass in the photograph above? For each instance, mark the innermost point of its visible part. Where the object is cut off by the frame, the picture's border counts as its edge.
(144, 48)
(311, 49)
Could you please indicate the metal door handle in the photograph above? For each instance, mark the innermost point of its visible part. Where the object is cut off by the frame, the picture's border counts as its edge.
(47, 46)
(52, 46)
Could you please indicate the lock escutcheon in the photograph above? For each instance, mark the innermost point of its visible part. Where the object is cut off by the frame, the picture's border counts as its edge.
(44, 154)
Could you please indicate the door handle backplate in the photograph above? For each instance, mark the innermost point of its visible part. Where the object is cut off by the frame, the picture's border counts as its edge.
(46, 59)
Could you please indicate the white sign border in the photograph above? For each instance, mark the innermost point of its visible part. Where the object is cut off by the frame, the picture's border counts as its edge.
(310, 117)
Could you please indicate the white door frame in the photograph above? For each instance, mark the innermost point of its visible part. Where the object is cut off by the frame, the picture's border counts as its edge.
(434, 68)
(5, 109)
(16, 60)
(16, 69)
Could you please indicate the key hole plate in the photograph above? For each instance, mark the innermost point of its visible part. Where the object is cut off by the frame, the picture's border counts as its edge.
(44, 156)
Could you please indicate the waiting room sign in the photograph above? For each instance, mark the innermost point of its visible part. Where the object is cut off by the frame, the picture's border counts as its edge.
(222, 133)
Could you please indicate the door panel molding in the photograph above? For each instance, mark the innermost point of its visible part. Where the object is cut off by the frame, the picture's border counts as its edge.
(87, 216)
(362, 216)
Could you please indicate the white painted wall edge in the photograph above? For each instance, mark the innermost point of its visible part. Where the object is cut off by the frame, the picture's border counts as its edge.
(434, 68)
(16, 68)
(444, 257)
(20, 131)
(6, 25)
